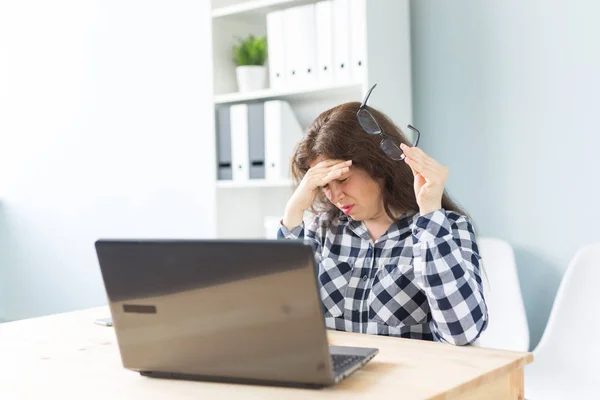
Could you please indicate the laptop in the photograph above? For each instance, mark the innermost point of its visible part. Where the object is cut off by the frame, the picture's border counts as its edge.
(244, 311)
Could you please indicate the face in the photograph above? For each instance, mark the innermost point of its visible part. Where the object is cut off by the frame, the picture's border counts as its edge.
(357, 194)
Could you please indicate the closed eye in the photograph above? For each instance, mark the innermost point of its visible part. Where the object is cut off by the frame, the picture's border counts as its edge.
(339, 180)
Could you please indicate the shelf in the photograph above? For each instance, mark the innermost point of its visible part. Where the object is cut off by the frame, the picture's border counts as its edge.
(257, 183)
(309, 94)
(257, 7)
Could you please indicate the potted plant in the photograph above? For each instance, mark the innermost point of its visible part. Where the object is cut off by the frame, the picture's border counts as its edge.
(249, 56)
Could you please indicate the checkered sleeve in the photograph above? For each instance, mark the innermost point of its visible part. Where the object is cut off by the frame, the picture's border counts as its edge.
(310, 232)
(447, 264)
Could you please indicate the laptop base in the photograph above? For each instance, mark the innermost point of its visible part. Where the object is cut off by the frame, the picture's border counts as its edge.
(220, 379)
(357, 357)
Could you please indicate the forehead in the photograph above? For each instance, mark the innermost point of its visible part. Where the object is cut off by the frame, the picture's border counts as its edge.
(316, 161)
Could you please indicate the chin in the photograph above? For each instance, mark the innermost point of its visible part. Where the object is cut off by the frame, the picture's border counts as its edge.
(356, 217)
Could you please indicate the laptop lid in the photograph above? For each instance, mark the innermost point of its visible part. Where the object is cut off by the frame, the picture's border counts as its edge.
(217, 308)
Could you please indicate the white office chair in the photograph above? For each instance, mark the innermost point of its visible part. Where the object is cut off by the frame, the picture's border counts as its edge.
(566, 362)
(507, 326)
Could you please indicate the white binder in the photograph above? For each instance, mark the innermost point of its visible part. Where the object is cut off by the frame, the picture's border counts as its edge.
(239, 142)
(275, 48)
(341, 41)
(282, 133)
(300, 58)
(358, 40)
(223, 139)
(324, 28)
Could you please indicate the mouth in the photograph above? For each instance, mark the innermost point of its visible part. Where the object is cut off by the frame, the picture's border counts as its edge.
(347, 209)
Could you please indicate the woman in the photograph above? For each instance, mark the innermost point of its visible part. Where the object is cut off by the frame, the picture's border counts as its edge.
(395, 255)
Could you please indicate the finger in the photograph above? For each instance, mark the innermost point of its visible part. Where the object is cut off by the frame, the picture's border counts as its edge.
(423, 168)
(427, 187)
(409, 166)
(318, 172)
(434, 175)
(322, 172)
(340, 173)
(412, 169)
(414, 164)
(329, 163)
(417, 153)
(423, 160)
(420, 181)
(340, 165)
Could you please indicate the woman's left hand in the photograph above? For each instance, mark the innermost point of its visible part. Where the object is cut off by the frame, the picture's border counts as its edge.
(430, 178)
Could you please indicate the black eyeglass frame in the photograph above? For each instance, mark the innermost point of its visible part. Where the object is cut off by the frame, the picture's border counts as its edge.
(379, 130)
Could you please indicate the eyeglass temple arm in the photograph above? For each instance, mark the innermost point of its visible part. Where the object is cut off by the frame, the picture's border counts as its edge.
(417, 132)
(364, 103)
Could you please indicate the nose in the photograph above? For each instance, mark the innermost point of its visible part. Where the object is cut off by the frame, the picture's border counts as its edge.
(335, 192)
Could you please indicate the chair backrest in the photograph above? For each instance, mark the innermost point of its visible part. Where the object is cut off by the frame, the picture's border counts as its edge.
(569, 342)
(507, 326)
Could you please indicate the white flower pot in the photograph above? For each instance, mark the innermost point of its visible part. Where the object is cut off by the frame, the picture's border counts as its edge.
(251, 77)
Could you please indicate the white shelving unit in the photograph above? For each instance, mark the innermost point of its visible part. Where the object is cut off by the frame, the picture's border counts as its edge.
(305, 94)
(259, 183)
(253, 7)
(243, 206)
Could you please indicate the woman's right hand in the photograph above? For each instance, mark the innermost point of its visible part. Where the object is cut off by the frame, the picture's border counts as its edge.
(304, 196)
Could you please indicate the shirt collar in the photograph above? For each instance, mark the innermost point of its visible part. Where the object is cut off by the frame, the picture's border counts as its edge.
(398, 228)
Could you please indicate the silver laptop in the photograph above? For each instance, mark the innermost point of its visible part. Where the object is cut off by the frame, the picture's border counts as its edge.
(222, 310)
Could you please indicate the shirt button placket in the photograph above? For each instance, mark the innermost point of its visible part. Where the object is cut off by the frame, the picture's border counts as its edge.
(369, 264)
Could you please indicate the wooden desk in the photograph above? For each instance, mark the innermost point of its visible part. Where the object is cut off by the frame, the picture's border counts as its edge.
(67, 356)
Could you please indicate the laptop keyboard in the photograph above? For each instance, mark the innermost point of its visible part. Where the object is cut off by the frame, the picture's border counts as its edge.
(342, 362)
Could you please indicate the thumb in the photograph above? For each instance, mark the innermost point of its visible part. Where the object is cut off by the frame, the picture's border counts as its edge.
(413, 171)
(419, 181)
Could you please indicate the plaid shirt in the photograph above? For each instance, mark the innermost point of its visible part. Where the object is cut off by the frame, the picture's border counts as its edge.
(421, 279)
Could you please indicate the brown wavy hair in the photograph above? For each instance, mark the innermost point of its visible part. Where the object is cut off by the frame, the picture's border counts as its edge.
(337, 134)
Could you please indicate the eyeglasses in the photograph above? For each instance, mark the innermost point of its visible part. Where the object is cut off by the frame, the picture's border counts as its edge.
(371, 126)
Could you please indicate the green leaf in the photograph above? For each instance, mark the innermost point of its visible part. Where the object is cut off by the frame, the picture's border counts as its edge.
(250, 51)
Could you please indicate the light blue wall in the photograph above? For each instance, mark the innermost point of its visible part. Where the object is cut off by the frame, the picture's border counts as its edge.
(507, 94)
(3, 262)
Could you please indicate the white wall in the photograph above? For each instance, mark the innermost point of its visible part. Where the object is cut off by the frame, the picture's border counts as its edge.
(105, 132)
(506, 94)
